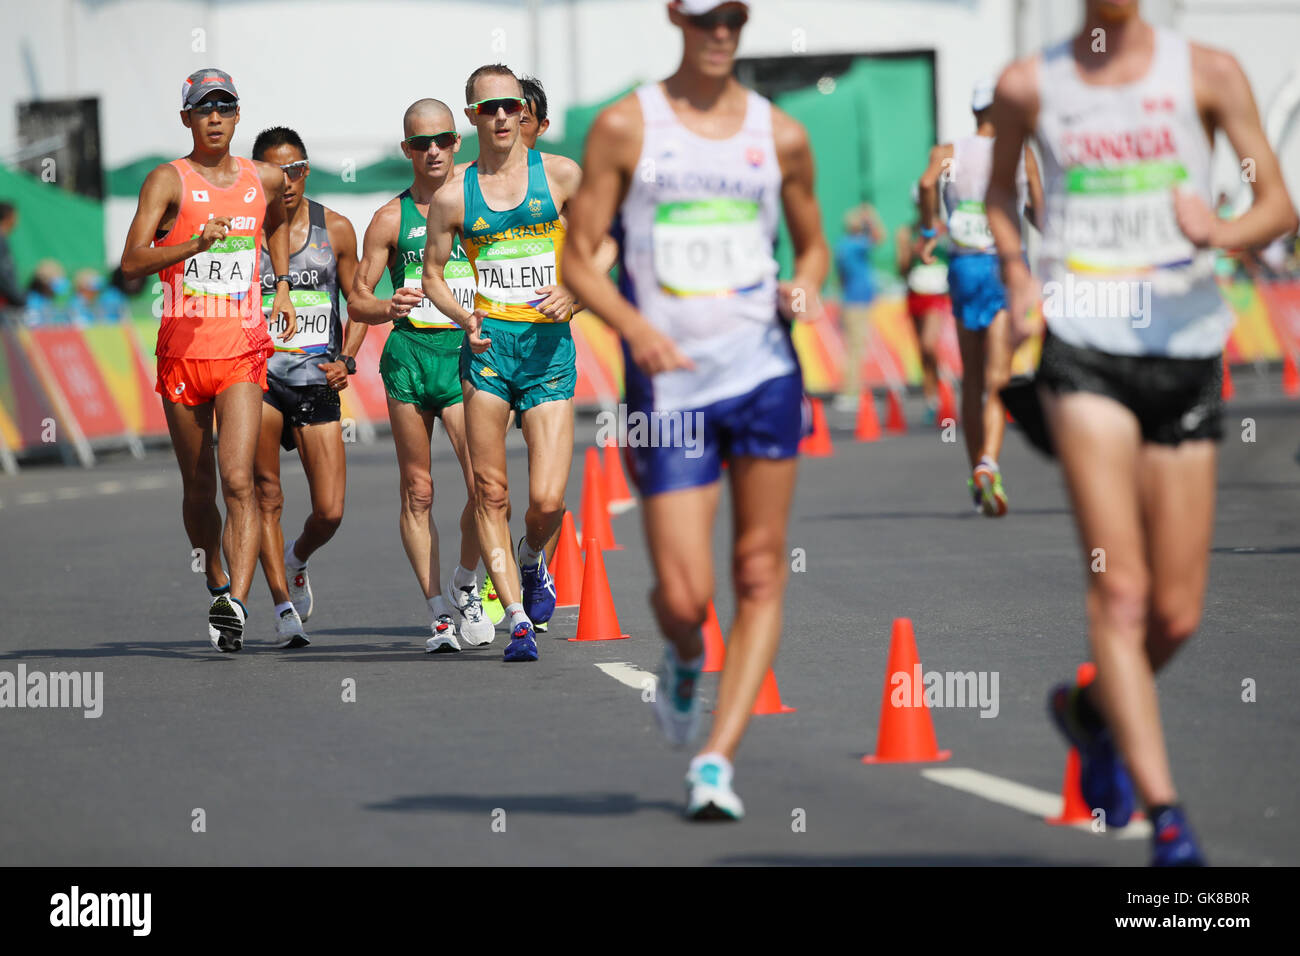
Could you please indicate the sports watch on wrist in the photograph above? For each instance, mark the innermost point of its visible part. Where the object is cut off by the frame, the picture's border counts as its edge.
(349, 363)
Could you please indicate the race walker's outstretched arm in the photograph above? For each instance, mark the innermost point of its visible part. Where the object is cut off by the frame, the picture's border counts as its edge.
(1222, 86)
(1014, 113)
(378, 247)
(276, 228)
(613, 148)
(941, 158)
(812, 255)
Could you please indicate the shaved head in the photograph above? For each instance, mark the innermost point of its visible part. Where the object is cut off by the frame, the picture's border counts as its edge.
(426, 110)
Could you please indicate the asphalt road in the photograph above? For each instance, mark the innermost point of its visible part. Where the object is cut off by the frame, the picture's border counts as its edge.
(462, 759)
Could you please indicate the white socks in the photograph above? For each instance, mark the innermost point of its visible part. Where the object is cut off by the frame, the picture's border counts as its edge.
(290, 559)
(282, 607)
(516, 614)
(438, 606)
(460, 578)
(527, 556)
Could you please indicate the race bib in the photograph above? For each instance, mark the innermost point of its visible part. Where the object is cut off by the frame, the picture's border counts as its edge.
(1122, 221)
(228, 268)
(510, 272)
(969, 226)
(314, 311)
(931, 279)
(710, 247)
(426, 314)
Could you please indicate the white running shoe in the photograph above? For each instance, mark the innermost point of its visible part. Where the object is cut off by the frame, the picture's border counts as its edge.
(226, 624)
(677, 706)
(443, 640)
(474, 624)
(289, 632)
(299, 586)
(708, 789)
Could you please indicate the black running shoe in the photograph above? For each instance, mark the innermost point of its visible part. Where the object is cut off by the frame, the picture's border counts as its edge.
(226, 624)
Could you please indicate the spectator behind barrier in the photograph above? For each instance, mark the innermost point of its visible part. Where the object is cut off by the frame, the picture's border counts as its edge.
(11, 293)
(47, 295)
(94, 300)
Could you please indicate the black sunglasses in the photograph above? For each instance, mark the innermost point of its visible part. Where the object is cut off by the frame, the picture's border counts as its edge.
(511, 104)
(295, 171)
(731, 19)
(224, 107)
(421, 143)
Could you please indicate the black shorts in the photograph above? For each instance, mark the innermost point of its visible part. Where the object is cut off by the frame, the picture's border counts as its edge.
(301, 405)
(1173, 399)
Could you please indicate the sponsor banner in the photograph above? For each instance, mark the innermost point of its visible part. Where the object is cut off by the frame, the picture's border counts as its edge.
(366, 389)
(1282, 301)
(78, 377)
(114, 350)
(23, 406)
(1252, 338)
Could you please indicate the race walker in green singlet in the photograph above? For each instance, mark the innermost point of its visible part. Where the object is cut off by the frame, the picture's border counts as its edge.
(420, 368)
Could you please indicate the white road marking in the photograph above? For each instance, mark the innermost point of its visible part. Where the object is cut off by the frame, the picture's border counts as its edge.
(153, 481)
(1008, 793)
(67, 494)
(629, 674)
(108, 487)
(33, 497)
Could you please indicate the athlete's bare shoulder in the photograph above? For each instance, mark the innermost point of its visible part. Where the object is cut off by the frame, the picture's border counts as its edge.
(1215, 74)
(1017, 87)
(562, 172)
(164, 180)
(386, 221)
(450, 196)
(619, 130)
(338, 225)
(788, 132)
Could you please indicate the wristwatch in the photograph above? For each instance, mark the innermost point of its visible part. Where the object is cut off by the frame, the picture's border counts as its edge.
(349, 363)
(286, 279)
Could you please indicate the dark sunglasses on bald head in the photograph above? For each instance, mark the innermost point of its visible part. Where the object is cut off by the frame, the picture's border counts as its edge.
(422, 142)
(731, 19)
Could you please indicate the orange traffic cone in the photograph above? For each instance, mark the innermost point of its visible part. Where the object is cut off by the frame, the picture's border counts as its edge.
(595, 511)
(895, 424)
(618, 496)
(947, 403)
(715, 651)
(1074, 809)
(868, 426)
(1290, 375)
(818, 444)
(769, 698)
(597, 619)
(906, 733)
(1229, 390)
(567, 566)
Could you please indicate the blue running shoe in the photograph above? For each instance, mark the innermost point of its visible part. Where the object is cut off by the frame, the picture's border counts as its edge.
(1103, 778)
(708, 790)
(676, 705)
(538, 587)
(523, 643)
(1172, 840)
